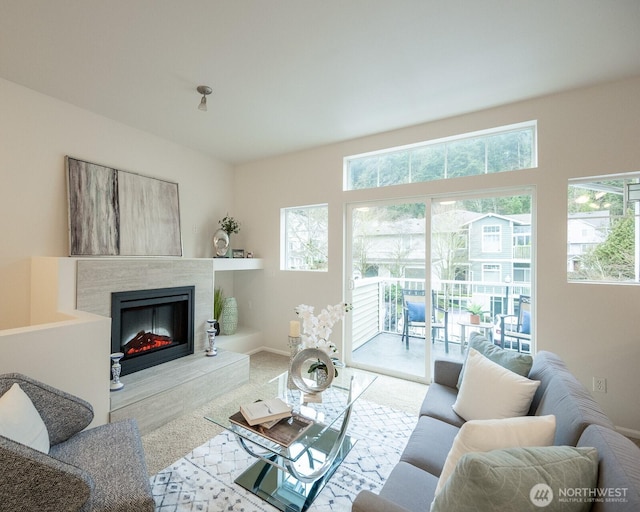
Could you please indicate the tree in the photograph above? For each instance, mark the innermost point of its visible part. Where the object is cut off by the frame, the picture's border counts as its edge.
(613, 259)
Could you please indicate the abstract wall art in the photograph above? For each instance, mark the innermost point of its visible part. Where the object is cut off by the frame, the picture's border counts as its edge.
(120, 213)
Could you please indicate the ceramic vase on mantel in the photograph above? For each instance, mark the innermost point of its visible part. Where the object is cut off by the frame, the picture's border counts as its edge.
(229, 317)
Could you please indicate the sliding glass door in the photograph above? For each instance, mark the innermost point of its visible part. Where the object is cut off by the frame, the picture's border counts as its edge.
(479, 259)
(386, 255)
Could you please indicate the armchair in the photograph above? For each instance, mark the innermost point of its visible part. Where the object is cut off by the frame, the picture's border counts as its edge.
(100, 469)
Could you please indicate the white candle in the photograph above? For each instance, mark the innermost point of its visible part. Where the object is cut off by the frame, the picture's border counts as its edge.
(294, 329)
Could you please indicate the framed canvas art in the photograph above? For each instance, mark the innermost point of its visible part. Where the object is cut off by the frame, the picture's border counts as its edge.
(120, 213)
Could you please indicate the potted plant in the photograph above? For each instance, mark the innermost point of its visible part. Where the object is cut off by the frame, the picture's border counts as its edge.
(229, 225)
(320, 371)
(218, 302)
(475, 312)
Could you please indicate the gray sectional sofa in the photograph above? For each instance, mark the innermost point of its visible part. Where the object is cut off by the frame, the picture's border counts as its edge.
(580, 422)
(99, 469)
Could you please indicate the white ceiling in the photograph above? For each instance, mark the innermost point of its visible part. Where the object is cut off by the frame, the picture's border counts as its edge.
(293, 74)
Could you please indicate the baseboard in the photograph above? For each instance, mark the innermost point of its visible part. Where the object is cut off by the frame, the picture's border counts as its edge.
(270, 350)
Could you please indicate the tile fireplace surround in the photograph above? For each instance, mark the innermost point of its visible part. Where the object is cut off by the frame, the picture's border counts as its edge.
(162, 392)
(68, 341)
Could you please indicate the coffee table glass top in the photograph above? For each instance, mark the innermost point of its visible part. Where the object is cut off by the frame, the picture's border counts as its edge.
(343, 392)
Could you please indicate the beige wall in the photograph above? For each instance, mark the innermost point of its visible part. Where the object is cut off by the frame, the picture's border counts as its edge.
(36, 132)
(581, 133)
(595, 328)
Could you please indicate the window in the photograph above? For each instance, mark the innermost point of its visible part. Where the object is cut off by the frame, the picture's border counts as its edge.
(490, 272)
(305, 238)
(491, 239)
(603, 229)
(509, 148)
(522, 242)
(521, 273)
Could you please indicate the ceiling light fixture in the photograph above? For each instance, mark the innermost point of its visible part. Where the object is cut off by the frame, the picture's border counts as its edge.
(205, 90)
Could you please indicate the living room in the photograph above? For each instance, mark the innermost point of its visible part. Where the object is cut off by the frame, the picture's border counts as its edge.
(585, 131)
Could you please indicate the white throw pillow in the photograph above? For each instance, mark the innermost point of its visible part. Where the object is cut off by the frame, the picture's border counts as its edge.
(489, 391)
(20, 421)
(487, 435)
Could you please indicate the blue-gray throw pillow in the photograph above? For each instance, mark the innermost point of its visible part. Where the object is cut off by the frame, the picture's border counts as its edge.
(514, 361)
(416, 311)
(525, 328)
(532, 478)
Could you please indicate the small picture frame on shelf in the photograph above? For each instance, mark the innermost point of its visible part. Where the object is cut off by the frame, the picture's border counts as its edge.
(238, 253)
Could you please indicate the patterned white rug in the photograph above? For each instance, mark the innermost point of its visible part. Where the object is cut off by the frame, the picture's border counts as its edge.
(203, 480)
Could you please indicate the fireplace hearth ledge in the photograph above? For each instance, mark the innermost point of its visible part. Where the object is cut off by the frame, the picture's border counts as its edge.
(161, 393)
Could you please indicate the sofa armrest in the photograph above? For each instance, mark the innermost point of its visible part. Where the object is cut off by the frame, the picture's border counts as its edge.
(366, 501)
(32, 480)
(63, 414)
(446, 372)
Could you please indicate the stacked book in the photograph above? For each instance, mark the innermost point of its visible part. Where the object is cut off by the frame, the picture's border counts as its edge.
(273, 419)
(265, 411)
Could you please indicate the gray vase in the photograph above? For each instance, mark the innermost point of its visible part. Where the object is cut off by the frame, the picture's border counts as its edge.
(229, 316)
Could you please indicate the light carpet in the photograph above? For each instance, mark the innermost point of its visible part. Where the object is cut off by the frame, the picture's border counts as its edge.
(203, 480)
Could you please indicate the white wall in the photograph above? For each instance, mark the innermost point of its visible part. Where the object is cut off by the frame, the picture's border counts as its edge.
(586, 132)
(581, 133)
(36, 132)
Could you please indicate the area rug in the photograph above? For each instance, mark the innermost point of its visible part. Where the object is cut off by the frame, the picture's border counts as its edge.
(203, 480)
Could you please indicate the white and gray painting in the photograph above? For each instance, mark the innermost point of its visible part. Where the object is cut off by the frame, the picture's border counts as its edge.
(113, 212)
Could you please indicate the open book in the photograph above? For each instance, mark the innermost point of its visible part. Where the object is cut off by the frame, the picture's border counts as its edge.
(284, 432)
(264, 411)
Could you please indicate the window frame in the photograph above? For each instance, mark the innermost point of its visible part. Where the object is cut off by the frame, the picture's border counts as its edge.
(577, 249)
(497, 233)
(286, 252)
(407, 151)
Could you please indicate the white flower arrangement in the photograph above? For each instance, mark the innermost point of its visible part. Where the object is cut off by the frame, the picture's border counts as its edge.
(316, 330)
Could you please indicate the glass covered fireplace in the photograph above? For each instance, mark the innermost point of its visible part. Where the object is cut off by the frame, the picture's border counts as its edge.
(151, 327)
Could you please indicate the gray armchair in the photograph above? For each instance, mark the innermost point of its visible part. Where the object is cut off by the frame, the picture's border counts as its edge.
(99, 469)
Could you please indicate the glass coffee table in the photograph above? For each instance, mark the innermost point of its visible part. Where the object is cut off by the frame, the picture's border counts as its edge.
(290, 478)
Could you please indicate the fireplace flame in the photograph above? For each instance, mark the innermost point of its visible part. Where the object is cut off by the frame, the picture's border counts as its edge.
(145, 341)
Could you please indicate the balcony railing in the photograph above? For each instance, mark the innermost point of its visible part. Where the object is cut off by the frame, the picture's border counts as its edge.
(522, 252)
(378, 303)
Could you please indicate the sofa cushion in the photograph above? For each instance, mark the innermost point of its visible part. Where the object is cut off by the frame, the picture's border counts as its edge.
(437, 404)
(20, 421)
(429, 444)
(113, 456)
(619, 469)
(34, 481)
(519, 479)
(545, 366)
(490, 391)
(573, 407)
(62, 413)
(409, 487)
(514, 361)
(487, 435)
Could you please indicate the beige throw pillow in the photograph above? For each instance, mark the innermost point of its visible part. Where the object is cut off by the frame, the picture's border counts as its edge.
(487, 435)
(489, 391)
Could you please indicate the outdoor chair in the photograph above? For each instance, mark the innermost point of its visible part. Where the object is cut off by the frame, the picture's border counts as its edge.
(99, 469)
(414, 316)
(439, 320)
(413, 308)
(521, 336)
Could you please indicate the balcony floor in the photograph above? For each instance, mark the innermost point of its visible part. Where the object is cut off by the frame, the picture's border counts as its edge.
(386, 351)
